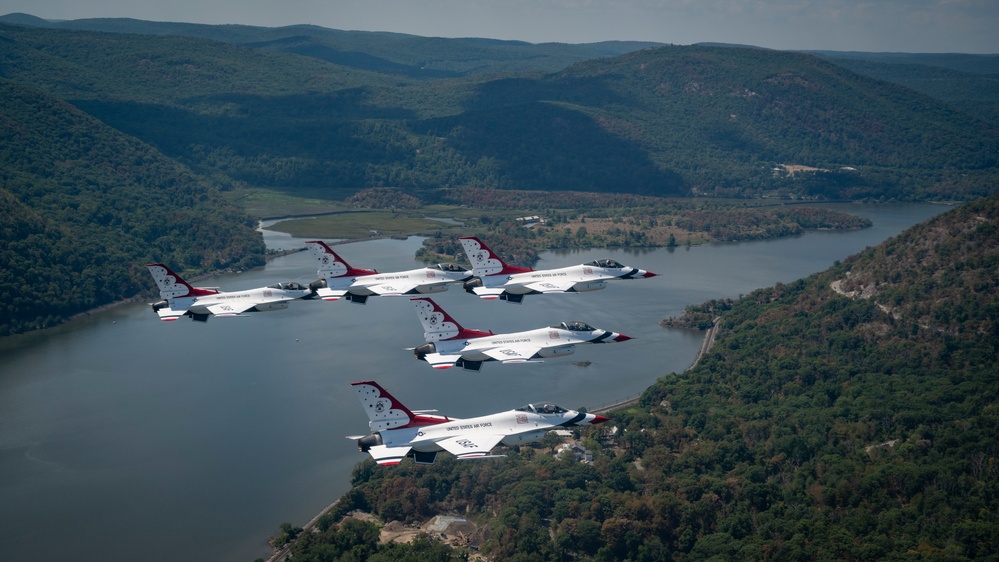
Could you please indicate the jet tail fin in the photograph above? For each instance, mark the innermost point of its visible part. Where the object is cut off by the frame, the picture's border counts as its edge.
(438, 324)
(331, 265)
(484, 261)
(172, 285)
(384, 411)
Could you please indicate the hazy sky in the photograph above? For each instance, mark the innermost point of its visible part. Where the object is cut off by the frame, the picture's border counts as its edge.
(968, 26)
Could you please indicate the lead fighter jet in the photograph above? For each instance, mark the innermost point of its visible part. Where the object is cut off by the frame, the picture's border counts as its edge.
(495, 279)
(182, 299)
(449, 345)
(339, 280)
(398, 433)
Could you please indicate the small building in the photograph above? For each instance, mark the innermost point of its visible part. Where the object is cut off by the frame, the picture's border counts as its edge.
(530, 221)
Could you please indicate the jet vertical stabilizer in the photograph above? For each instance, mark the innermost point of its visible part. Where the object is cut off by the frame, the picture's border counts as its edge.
(384, 411)
(172, 285)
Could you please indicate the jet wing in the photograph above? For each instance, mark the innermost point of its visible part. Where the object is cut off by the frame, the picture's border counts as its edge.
(471, 446)
(514, 353)
(386, 456)
(393, 289)
(563, 286)
(231, 309)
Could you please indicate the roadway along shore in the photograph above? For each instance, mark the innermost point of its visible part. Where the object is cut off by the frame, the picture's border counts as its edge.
(709, 340)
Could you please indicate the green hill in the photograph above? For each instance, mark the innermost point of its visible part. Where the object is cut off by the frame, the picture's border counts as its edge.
(83, 207)
(967, 82)
(721, 119)
(660, 121)
(850, 415)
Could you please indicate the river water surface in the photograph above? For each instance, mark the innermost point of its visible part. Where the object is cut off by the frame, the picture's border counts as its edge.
(126, 438)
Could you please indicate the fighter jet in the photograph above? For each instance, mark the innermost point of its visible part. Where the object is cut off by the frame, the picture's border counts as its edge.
(339, 280)
(495, 279)
(449, 345)
(398, 432)
(181, 299)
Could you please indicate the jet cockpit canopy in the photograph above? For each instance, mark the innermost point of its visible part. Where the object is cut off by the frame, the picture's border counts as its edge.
(608, 264)
(450, 267)
(288, 286)
(543, 408)
(575, 326)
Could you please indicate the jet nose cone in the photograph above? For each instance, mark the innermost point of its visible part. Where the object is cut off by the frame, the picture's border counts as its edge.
(649, 274)
(599, 419)
(622, 337)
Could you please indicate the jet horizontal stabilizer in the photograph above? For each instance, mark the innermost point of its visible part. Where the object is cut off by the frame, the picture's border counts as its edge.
(469, 458)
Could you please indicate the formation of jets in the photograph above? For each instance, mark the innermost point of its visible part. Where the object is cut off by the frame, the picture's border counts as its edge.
(398, 432)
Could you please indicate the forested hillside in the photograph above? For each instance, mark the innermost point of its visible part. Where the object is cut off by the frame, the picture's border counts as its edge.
(850, 415)
(967, 82)
(718, 120)
(668, 121)
(83, 207)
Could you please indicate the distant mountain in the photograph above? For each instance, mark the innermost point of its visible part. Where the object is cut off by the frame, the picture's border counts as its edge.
(391, 53)
(851, 415)
(719, 120)
(967, 82)
(961, 62)
(83, 207)
(659, 121)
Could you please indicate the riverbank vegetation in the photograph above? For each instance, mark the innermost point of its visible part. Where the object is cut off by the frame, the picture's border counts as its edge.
(525, 223)
(858, 423)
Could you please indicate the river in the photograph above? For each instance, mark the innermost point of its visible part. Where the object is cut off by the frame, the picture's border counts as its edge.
(123, 437)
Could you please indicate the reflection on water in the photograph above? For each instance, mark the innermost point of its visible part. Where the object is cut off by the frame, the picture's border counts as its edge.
(123, 437)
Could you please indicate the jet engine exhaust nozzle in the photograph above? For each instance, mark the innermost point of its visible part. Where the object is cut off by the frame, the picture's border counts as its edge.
(365, 444)
(424, 350)
(472, 284)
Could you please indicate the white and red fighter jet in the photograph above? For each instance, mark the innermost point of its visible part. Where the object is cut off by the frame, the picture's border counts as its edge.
(398, 432)
(495, 279)
(449, 345)
(180, 298)
(339, 280)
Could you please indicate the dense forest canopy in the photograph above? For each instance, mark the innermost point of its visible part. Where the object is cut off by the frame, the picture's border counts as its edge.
(853, 414)
(83, 207)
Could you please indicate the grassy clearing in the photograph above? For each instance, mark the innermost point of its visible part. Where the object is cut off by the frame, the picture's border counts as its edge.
(360, 224)
(337, 221)
(263, 203)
